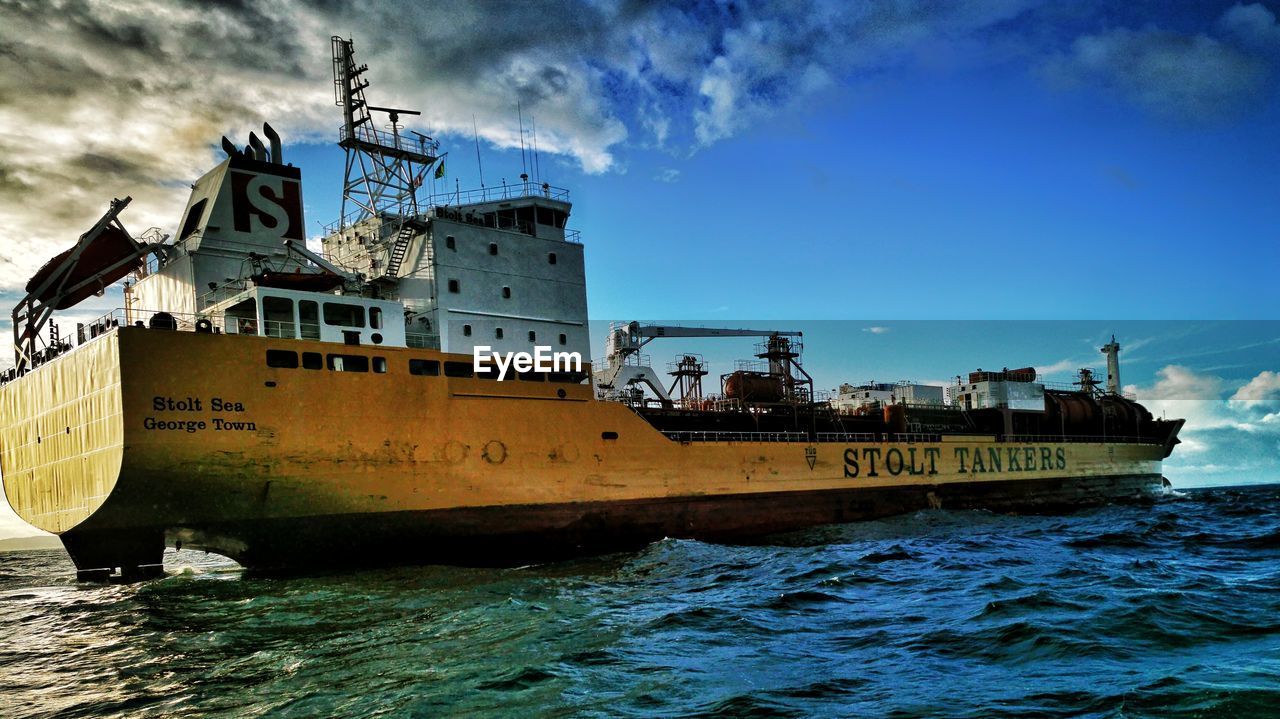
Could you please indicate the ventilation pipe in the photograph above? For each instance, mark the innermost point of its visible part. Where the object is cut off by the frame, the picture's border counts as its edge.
(229, 148)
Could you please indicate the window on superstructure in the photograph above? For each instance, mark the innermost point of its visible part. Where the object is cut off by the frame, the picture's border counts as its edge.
(283, 359)
(450, 242)
(551, 258)
(312, 360)
(375, 317)
(533, 336)
(380, 365)
(458, 369)
(493, 248)
(497, 333)
(343, 315)
(277, 317)
(348, 363)
(242, 317)
(567, 377)
(525, 218)
(564, 339)
(453, 286)
(466, 330)
(506, 293)
(309, 321)
(193, 219)
(424, 367)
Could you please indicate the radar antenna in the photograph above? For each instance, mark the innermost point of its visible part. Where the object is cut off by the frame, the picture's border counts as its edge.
(384, 168)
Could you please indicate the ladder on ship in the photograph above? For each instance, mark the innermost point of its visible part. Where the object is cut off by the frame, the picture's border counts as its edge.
(401, 247)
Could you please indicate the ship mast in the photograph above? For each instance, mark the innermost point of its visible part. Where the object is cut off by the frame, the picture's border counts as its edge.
(384, 167)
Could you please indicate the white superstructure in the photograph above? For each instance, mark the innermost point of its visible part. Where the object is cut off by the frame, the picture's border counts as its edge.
(495, 271)
(850, 398)
(1006, 389)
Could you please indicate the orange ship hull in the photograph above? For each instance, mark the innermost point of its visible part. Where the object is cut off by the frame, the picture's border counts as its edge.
(148, 438)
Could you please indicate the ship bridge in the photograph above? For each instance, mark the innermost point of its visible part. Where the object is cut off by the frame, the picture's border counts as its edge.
(492, 266)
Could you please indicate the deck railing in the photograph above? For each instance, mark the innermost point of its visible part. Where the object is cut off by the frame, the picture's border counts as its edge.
(907, 437)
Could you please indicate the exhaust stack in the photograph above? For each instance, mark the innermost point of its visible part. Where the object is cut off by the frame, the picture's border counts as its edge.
(259, 150)
(277, 148)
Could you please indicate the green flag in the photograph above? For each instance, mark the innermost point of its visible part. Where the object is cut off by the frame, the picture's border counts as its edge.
(440, 169)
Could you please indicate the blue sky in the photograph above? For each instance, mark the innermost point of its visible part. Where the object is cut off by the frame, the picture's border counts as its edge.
(1108, 166)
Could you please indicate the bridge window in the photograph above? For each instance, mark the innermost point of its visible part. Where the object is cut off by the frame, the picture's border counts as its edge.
(424, 367)
(283, 359)
(453, 286)
(348, 363)
(343, 315)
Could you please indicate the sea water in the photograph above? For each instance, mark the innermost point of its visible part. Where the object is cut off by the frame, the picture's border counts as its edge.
(1171, 609)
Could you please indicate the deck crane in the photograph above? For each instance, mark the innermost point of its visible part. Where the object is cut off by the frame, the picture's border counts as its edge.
(623, 367)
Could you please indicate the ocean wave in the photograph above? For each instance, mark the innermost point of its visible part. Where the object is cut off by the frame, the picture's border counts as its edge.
(1171, 609)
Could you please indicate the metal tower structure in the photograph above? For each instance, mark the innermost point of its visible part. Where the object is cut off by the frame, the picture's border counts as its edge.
(1112, 351)
(688, 371)
(783, 354)
(384, 168)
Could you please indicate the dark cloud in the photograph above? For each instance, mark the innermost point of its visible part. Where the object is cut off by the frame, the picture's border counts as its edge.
(1200, 76)
(108, 99)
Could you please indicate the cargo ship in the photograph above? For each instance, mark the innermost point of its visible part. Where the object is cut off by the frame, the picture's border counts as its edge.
(295, 409)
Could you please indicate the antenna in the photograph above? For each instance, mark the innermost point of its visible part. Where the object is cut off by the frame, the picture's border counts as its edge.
(380, 177)
(537, 166)
(479, 165)
(524, 168)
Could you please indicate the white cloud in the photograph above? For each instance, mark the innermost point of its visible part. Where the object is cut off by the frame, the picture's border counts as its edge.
(1266, 386)
(1062, 365)
(1233, 438)
(668, 174)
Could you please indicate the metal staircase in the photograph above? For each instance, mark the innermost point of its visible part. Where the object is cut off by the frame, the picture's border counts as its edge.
(401, 247)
